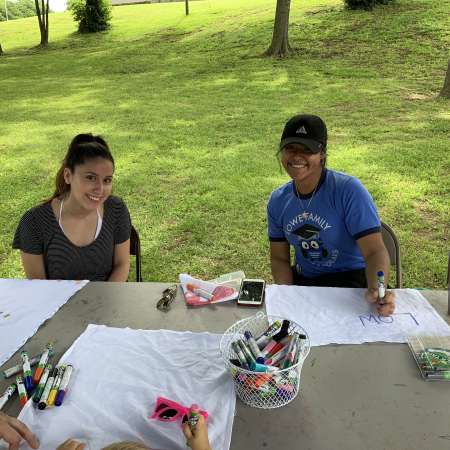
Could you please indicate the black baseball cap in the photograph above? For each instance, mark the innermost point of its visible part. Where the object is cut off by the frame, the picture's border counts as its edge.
(305, 129)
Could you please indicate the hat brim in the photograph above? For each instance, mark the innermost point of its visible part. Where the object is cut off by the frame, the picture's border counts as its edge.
(314, 146)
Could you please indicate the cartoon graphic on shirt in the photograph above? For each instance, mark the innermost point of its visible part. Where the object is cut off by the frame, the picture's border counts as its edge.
(311, 245)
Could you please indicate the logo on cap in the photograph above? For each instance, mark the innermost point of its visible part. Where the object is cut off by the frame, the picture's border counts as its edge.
(301, 130)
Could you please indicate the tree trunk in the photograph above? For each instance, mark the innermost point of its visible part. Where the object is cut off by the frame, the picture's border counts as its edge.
(42, 15)
(446, 89)
(1, 50)
(280, 41)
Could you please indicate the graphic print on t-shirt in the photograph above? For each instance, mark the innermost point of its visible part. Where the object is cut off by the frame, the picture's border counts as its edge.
(308, 239)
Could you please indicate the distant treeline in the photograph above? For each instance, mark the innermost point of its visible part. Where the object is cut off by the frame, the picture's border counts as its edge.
(17, 9)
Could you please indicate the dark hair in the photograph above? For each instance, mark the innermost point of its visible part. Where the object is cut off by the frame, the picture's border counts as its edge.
(82, 148)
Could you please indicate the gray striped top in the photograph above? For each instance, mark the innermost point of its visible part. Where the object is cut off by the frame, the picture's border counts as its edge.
(39, 233)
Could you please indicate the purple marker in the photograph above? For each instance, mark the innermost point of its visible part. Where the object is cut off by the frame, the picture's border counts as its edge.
(64, 383)
(27, 378)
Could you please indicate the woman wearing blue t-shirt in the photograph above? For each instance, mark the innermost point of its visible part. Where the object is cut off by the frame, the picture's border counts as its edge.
(328, 217)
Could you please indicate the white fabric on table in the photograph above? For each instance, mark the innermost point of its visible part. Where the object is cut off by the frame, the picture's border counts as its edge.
(119, 373)
(25, 305)
(343, 316)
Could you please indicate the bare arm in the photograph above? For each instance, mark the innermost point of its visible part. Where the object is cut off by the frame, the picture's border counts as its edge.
(121, 263)
(280, 261)
(377, 259)
(33, 265)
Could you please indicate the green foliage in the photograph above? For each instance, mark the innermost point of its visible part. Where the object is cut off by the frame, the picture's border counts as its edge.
(91, 15)
(365, 4)
(17, 9)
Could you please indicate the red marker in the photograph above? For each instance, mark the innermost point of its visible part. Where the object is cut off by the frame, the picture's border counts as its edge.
(23, 398)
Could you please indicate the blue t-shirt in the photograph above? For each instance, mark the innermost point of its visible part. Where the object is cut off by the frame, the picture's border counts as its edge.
(324, 234)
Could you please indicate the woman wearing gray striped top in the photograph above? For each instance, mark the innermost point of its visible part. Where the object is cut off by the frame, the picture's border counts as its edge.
(82, 231)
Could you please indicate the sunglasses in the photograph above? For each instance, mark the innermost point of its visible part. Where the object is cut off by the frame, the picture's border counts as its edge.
(167, 298)
(169, 411)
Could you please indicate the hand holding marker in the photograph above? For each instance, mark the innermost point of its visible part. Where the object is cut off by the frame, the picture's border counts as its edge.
(381, 287)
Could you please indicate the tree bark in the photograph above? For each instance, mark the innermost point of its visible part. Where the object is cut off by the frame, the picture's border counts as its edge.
(280, 40)
(42, 15)
(1, 50)
(445, 92)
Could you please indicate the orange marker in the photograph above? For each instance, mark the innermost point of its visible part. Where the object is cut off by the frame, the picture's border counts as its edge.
(23, 398)
(42, 363)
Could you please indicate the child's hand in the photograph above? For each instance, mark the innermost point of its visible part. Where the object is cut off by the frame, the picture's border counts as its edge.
(14, 431)
(71, 444)
(387, 307)
(198, 439)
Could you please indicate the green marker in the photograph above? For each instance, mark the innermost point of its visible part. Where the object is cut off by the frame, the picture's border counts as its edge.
(40, 389)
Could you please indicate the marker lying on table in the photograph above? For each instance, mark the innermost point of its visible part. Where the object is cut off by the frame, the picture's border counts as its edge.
(64, 383)
(42, 363)
(381, 288)
(23, 398)
(28, 379)
(14, 370)
(56, 385)
(48, 386)
(42, 382)
(7, 395)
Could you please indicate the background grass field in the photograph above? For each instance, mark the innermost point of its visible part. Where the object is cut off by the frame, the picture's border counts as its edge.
(193, 115)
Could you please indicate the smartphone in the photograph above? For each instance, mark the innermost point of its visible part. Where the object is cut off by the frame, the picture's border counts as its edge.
(251, 292)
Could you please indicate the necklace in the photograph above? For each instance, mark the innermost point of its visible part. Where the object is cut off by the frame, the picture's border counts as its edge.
(305, 212)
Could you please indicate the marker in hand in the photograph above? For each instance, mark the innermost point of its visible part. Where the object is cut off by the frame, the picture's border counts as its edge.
(381, 288)
(194, 415)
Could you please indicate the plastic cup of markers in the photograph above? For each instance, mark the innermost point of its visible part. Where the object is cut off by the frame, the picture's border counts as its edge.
(258, 389)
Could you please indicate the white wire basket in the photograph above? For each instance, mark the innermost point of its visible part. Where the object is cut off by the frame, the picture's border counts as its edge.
(263, 390)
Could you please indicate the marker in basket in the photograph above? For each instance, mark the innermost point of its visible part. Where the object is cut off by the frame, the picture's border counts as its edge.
(273, 347)
(199, 291)
(48, 386)
(239, 354)
(246, 351)
(14, 370)
(277, 357)
(27, 378)
(64, 384)
(284, 330)
(23, 397)
(42, 382)
(253, 345)
(381, 288)
(264, 339)
(42, 363)
(56, 385)
(7, 395)
(290, 356)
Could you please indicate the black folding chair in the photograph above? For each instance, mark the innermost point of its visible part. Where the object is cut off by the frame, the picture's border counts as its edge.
(135, 249)
(393, 247)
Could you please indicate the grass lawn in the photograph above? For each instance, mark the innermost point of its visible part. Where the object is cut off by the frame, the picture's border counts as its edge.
(193, 115)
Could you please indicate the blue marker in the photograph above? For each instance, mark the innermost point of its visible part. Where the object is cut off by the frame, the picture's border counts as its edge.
(381, 288)
(27, 378)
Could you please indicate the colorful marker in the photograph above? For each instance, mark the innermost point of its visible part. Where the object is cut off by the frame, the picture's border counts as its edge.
(7, 395)
(246, 351)
(48, 386)
(194, 416)
(56, 385)
(253, 345)
(438, 375)
(42, 382)
(42, 363)
(239, 354)
(14, 370)
(264, 339)
(277, 357)
(64, 383)
(27, 378)
(290, 356)
(23, 397)
(283, 331)
(381, 288)
(199, 291)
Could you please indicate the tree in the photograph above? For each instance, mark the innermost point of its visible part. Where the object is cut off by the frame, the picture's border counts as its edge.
(42, 14)
(445, 92)
(280, 42)
(91, 15)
